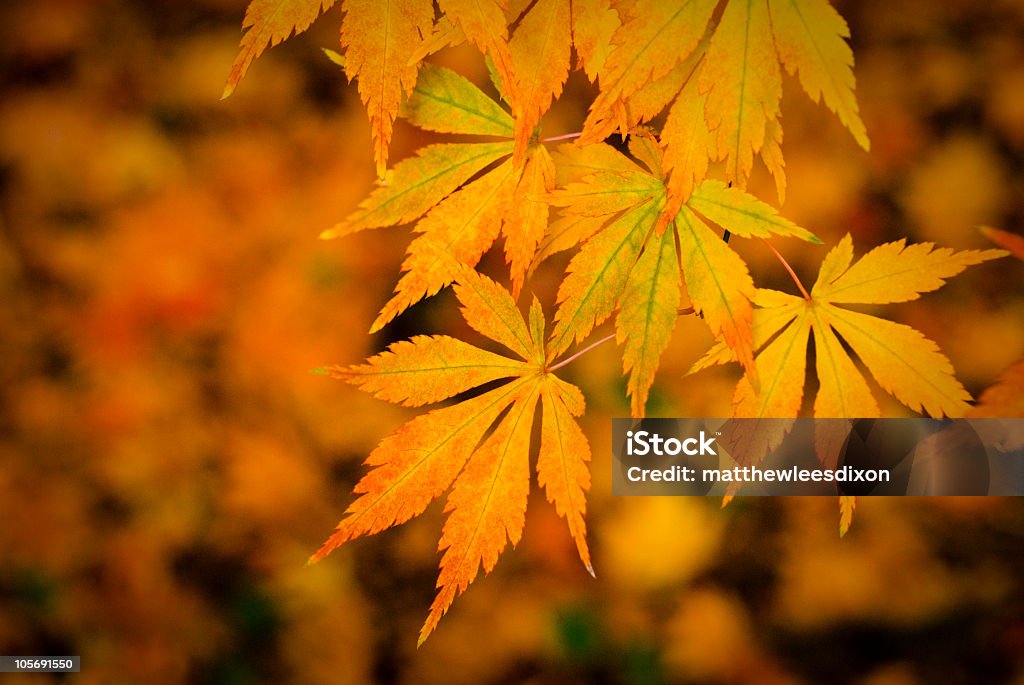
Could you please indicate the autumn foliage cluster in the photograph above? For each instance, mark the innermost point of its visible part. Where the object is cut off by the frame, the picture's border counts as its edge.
(692, 89)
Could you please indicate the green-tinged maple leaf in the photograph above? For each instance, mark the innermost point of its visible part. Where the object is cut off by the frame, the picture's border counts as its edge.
(647, 315)
(566, 233)
(902, 361)
(743, 86)
(627, 267)
(489, 474)
(537, 58)
(460, 223)
(483, 23)
(445, 102)
(418, 184)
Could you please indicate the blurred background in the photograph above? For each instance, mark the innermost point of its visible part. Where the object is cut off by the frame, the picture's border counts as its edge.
(168, 461)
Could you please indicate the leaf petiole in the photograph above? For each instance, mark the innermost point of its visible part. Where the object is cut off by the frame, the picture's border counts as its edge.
(567, 136)
(582, 352)
(792, 273)
(681, 312)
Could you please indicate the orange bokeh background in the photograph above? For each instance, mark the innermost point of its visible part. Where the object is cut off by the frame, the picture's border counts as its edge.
(168, 461)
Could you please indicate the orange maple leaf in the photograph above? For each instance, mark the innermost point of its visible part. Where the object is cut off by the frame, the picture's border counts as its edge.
(269, 22)
(380, 39)
(479, 447)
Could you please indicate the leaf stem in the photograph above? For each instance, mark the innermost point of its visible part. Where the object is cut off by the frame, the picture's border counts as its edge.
(792, 273)
(681, 312)
(582, 352)
(567, 136)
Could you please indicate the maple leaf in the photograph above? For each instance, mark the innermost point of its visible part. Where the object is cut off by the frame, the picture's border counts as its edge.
(1004, 399)
(379, 37)
(594, 22)
(741, 81)
(529, 70)
(269, 22)
(538, 54)
(723, 82)
(847, 505)
(460, 220)
(483, 22)
(651, 40)
(526, 218)
(626, 267)
(1012, 242)
(810, 39)
(450, 447)
(688, 145)
(902, 361)
(541, 50)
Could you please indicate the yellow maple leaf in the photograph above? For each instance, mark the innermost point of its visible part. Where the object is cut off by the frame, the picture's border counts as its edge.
(723, 80)
(810, 38)
(688, 145)
(653, 37)
(380, 39)
(902, 361)
(447, 448)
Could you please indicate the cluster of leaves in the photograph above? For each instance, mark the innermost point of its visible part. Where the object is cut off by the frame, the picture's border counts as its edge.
(642, 223)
